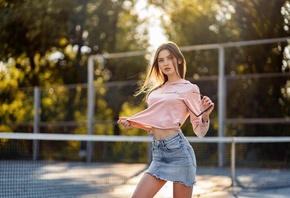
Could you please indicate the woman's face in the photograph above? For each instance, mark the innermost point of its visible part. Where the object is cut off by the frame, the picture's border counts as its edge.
(167, 63)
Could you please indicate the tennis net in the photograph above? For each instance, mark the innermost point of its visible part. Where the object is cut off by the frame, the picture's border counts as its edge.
(60, 168)
(55, 165)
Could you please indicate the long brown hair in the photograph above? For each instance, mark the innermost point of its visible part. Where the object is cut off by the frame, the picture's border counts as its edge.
(155, 78)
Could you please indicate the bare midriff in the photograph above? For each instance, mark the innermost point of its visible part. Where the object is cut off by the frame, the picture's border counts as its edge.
(160, 134)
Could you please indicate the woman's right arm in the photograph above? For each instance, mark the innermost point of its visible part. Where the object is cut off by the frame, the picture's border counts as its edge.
(129, 124)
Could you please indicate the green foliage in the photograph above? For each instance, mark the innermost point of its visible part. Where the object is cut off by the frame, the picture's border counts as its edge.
(43, 42)
(16, 104)
(43, 45)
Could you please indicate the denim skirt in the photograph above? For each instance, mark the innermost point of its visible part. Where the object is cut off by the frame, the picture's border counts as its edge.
(173, 159)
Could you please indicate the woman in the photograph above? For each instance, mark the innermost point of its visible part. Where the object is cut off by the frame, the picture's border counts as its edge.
(170, 102)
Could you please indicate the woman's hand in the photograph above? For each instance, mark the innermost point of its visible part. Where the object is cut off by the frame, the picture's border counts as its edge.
(206, 103)
(124, 122)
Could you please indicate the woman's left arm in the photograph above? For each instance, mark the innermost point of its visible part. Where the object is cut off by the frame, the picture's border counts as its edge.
(197, 106)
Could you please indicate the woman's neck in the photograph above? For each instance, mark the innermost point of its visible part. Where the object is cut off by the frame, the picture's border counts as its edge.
(173, 79)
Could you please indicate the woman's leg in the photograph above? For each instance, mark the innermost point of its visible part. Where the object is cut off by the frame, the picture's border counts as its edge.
(182, 191)
(148, 186)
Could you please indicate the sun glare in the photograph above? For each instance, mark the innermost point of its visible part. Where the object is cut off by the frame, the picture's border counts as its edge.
(153, 14)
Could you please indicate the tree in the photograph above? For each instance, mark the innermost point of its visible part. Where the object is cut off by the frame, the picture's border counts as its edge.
(28, 29)
(47, 43)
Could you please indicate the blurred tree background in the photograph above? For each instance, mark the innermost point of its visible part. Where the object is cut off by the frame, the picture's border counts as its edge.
(47, 44)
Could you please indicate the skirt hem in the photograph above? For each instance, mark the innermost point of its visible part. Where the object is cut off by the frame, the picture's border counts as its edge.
(154, 175)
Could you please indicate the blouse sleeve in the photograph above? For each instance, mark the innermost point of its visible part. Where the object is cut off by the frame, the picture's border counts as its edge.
(192, 100)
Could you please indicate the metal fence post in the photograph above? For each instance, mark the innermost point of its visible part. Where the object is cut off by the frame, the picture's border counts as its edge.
(233, 162)
(91, 100)
(36, 121)
(221, 105)
(91, 106)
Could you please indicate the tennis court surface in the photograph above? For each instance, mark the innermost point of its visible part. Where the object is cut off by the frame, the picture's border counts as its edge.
(29, 179)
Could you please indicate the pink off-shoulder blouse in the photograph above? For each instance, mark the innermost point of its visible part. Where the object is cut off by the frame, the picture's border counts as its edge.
(169, 106)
